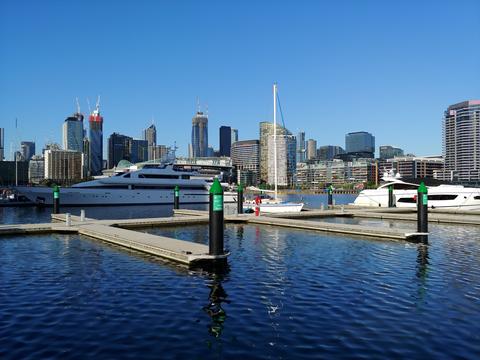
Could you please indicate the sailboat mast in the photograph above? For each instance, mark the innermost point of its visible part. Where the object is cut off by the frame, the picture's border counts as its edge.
(275, 137)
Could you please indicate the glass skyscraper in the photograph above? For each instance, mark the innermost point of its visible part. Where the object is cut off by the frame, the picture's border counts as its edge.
(361, 143)
(225, 140)
(96, 142)
(73, 133)
(301, 147)
(199, 135)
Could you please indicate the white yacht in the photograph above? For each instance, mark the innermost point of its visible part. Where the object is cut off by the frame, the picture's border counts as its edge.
(405, 195)
(149, 185)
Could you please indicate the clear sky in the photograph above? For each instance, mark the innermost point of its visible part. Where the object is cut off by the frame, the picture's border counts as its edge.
(387, 67)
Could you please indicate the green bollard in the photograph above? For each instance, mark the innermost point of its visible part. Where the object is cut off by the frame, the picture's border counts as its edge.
(422, 212)
(176, 198)
(56, 199)
(240, 199)
(390, 196)
(215, 243)
(330, 195)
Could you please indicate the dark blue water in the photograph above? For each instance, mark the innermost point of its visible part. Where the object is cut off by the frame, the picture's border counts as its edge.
(287, 294)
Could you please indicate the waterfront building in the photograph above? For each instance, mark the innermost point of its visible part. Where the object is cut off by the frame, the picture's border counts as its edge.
(138, 150)
(96, 141)
(18, 156)
(63, 166)
(234, 135)
(161, 153)
(2, 144)
(389, 152)
(245, 156)
(36, 169)
(86, 158)
(311, 149)
(266, 130)
(417, 166)
(301, 147)
(461, 142)
(199, 135)
(225, 140)
(28, 149)
(210, 151)
(12, 172)
(360, 144)
(328, 152)
(73, 132)
(286, 160)
(150, 135)
(118, 149)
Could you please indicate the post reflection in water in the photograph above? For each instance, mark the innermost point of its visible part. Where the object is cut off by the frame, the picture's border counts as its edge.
(214, 309)
(422, 269)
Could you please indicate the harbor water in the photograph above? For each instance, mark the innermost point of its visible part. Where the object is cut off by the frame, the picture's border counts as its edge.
(287, 294)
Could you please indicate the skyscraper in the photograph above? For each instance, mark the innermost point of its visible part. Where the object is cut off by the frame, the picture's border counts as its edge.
(150, 134)
(118, 149)
(246, 161)
(73, 132)
(328, 152)
(199, 135)
(360, 144)
(389, 152)
(461, 141)
(225, 140)
(266, 129)
(2, 144)
(28, 149)
(96, 141)
(286, 160)
(138, 150)
(301, 147)
(311, 149)
(234, 135)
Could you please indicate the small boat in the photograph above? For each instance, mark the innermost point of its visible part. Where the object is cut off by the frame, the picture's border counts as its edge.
(455, 197)
(268, 204)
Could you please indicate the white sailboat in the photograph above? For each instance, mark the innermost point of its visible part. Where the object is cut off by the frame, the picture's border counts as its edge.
(275, 205)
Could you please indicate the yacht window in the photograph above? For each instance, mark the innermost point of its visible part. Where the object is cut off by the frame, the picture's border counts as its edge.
(409, 200)
(126, 175)
(476, 197)
(157, 176)
(442, 197)
(185, 177)
(405, 186)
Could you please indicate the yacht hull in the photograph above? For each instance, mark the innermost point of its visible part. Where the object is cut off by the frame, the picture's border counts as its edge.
(98, 197)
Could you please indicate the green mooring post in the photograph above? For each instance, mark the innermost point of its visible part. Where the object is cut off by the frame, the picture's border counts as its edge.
(330, 195)
(422, 212)
(176, 197)
(56, 199)
(390, 196)
(215, 244)
(240, 199)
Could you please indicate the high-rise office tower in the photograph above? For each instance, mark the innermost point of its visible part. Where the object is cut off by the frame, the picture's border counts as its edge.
(246, 161)
(311, 149)
(461, 141)
(36, 169)
(389, 152)
(73, 132)
(118, 149)
(301, 147)
(266, 130)
(234, 135)
(138, 150)
(225, 140)
(286, 160)
(199, 135)
(96, 141)
(328, 152)
(150, 135)
(2, 144)
(360, 144)
(28, 149)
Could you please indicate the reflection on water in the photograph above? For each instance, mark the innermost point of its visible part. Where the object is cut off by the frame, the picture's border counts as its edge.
(214, 309)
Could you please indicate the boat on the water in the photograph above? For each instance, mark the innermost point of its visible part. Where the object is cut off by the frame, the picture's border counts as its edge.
(147, 186)
(265, 204)
(455, 197)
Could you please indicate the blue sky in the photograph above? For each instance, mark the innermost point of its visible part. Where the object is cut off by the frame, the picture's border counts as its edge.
(387, 67)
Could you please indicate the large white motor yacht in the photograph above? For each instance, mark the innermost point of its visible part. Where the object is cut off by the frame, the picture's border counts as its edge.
(149, 185)
(405, 195)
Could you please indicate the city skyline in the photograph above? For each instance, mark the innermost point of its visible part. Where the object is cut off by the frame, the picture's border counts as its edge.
(336, 75)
